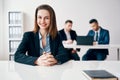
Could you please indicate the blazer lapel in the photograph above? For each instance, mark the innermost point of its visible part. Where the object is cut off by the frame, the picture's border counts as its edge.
(93, 33)
(71, 35)
(52, 45)
(64, 34)
(101, 33)
(37, 43)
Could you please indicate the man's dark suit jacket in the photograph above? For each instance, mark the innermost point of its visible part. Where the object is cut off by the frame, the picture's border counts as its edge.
(64, 37)
(103, 39)
(73, 37)
(29, 49)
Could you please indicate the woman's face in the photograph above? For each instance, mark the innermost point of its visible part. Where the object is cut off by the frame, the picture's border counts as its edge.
(43, 19)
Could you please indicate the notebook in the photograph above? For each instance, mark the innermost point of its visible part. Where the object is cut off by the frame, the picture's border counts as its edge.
(99, 75)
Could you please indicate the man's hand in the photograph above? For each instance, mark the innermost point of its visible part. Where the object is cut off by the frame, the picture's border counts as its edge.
(95, 43)
(73, 51)
(46, 60)
(68, 41)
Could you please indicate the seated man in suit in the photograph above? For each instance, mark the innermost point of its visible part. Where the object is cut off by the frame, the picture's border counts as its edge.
(101, 36)
(68, 36)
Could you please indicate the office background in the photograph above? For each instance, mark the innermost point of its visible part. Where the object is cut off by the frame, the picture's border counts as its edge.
(80, 11)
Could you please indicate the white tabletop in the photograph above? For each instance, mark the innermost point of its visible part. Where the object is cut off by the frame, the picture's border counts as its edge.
(71, 70)
(91, 46)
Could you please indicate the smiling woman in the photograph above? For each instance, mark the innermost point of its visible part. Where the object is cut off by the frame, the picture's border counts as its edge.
(43, 19)
(42, 46)
(47, 14)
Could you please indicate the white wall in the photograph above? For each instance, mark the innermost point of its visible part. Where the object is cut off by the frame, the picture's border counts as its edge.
(80, 11)
(1, 29)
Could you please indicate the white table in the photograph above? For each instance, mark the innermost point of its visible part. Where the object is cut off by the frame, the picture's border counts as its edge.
(71, 70)
(95, 47)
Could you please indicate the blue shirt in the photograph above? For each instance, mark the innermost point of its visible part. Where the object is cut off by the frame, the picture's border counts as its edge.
(47, 47)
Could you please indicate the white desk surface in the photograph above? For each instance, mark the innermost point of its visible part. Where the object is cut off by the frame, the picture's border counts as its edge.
(91, 46)
(72, 70)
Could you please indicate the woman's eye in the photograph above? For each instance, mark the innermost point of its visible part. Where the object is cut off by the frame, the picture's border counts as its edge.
(39, 17)
(47, 18)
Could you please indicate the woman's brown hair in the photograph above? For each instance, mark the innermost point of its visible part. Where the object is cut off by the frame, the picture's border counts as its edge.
(53, 25)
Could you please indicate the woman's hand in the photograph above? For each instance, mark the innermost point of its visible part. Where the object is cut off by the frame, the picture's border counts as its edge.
(46, 60)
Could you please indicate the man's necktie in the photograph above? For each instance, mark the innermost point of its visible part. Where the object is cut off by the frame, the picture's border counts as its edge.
(96, 38)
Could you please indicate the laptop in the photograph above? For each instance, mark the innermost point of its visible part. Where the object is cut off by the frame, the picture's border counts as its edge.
(85, 40)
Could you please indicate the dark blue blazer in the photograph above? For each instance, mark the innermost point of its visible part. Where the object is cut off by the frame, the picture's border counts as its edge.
(104, 38)
(73, 37)
(63, 35)
(29, 49)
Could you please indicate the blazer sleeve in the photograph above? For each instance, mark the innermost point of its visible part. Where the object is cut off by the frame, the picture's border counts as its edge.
(62, 35)
(106, 38)
(89, 33)
(20, 54)
(62, 55)
(75, 35)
